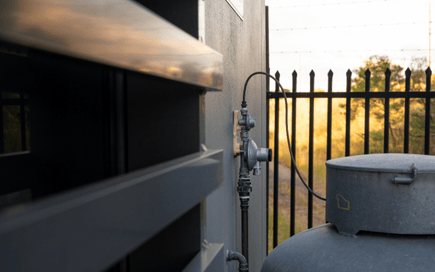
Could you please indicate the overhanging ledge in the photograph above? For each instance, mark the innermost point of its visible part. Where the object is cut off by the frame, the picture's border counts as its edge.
(93, 226)
(118, 33)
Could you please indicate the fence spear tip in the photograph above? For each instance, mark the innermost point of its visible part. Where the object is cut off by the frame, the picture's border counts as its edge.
(367, 73)
(330, 73)
(388, 72)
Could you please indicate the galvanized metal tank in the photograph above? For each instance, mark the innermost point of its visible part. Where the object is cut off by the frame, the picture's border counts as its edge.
(381, 209)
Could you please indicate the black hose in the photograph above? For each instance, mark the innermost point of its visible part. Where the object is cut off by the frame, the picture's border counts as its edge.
(244, 104)
(243, 264)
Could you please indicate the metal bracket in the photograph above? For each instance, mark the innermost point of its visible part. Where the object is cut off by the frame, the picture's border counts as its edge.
(236, 129)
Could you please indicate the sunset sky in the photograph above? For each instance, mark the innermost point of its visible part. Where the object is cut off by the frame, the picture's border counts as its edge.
(363, 27)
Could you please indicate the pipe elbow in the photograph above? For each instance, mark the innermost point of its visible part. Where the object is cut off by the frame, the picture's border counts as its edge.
(235, 256)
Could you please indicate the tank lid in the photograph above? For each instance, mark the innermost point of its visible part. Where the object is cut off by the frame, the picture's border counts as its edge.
(400, 163)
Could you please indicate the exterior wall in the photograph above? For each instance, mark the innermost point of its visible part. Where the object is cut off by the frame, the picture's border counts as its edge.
(242, 44)
(155, 216)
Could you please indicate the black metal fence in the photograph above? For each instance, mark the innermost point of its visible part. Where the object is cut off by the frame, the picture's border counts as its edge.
(349, 95)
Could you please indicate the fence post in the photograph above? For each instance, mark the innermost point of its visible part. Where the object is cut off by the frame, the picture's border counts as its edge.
(387, 111)
(293, 171)
(348, 88)
(367, 114)
(427, 114)
(329, 122)
(310, 153)
(276, 166)
(407, 88)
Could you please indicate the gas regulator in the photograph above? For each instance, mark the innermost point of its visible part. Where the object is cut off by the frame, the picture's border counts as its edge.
(251, 154)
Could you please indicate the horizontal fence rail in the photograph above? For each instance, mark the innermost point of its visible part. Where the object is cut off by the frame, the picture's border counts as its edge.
(352, 95)
(367, 95)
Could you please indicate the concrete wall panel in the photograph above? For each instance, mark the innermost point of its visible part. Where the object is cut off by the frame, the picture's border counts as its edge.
(243, 45)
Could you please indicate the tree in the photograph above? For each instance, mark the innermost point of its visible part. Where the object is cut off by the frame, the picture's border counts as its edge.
(377, 65)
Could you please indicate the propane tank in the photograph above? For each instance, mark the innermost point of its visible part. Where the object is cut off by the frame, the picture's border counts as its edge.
(381, 209)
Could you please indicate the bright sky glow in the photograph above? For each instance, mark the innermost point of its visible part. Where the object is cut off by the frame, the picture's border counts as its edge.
(411, 33)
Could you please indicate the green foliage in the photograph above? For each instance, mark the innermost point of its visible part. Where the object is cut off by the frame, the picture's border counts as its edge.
(377, 66)
(395, 106)
(377, 142)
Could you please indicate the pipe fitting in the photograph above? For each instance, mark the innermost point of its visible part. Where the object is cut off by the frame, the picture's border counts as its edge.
(235, 256)
(257, 169)
(244, 186)
(244, 111)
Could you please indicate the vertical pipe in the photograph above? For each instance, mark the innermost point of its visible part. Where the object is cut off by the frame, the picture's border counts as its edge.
(293, 171)
(244, 205)
(329, 121)
(244, 187)
(267, 126)
(407, 88)
(427, 114)
(387, 112)
(23, 122)
(348, 88)
(275, 167)
(367, 114)
(310, 152)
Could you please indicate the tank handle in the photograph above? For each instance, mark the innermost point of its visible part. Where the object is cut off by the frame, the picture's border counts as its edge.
(402, 179)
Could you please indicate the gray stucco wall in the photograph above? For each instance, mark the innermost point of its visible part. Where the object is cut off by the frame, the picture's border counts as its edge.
(242, 44)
